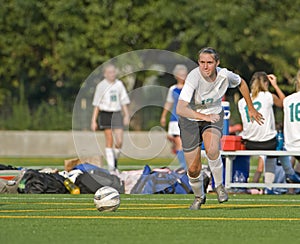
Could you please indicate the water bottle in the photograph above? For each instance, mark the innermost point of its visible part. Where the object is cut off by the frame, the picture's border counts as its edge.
(236, 177)
(242, 178)
(280, 140)
(72, 188)
(21, 187)
(226, 108)
(236, 180)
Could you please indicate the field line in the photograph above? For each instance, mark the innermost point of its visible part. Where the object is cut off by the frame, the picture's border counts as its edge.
(128, 198)
(145, 206)
(149, 218)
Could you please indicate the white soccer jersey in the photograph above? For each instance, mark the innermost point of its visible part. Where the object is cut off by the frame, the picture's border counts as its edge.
(291, 108)
(252, 131)
(110, 96)
(205, 97)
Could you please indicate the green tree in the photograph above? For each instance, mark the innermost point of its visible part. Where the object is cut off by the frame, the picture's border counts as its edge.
(52, 46)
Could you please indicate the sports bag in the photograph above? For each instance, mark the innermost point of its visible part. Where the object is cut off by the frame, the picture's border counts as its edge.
(90, 182)
(161, 182)
(36, 182)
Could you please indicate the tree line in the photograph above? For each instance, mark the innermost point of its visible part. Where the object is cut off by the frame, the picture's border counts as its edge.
(48, 48)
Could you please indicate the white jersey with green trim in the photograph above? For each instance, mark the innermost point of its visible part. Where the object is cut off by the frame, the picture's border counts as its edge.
(252, 131)
(291, 108)
(110, 96)
(205, 97)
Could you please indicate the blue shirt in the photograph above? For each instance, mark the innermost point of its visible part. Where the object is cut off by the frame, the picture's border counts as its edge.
(172, 97)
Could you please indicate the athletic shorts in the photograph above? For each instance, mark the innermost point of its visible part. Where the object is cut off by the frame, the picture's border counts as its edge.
(191, 131)
(173, 128)
(110, 120)
(261, 145)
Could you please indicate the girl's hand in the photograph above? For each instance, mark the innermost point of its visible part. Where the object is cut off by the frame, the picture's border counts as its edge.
(213, 118)
(254, 115)
(273, 79)
(94, 125)
(163, 121)
(126, 120)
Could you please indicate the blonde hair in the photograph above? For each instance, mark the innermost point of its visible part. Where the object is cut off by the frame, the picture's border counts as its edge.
(178, 68)
(257, 83)
(108, 65)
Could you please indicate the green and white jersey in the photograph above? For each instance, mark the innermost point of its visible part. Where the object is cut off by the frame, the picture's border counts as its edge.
(205, 97)
(291, 108)
(252, 131)
(110, 96)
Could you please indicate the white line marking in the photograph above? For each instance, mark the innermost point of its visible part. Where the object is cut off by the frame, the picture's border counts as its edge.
(148, 199)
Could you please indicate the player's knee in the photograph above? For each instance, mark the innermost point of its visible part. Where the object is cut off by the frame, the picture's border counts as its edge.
(212, 154)
(194, 171)
(193, 174)
(118, 144)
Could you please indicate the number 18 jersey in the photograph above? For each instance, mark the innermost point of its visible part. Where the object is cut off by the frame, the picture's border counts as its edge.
(252, 131)
(291, 108)
(110, 96)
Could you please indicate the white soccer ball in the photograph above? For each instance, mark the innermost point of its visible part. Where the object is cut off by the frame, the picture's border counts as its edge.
(107, 199)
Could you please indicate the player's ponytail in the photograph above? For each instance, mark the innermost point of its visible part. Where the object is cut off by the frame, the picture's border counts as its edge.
(257, 83)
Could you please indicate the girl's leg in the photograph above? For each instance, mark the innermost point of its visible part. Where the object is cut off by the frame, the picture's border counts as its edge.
(109, 149)
(179, 151)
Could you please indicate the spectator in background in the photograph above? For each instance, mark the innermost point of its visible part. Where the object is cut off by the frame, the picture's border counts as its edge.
(180, 72)
(259, 169)
(264, 137)
(291, 108)
(201, 119)
(111, 113)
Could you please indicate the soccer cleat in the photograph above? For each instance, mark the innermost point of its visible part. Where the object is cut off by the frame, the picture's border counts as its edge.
(203, 199)
(197, 203)
(294, 178)
(222, 194)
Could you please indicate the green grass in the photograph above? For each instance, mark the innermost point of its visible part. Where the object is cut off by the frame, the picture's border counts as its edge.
(149, 219)
(29, 162)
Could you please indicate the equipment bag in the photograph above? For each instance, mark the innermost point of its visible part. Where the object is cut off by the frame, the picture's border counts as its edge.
(90, 182)
(36, 182)
(160, 182)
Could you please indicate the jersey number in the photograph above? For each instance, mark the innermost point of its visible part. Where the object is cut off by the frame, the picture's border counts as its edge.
(209, 100)
(257, 106)
(113, 98)
(294, 112)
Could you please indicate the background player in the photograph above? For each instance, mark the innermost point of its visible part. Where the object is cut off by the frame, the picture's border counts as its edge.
(110, 100)
(180, 72)
(291, 108)
(264, 137)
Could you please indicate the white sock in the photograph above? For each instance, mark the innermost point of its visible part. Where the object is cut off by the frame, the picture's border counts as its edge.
(270, 171)
(117, 152)
(216, 167)
(269, 179)
(197, 185)
(110, 158)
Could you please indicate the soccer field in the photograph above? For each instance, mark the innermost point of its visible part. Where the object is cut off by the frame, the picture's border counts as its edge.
(149, 219)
